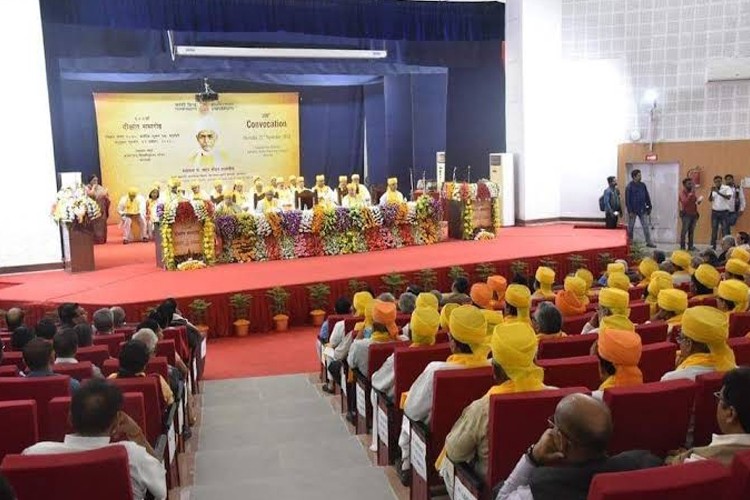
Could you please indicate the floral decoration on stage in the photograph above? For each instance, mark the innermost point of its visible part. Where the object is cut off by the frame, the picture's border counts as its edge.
(468, 195)
(74, 207)
(327, 230)
(182, 211)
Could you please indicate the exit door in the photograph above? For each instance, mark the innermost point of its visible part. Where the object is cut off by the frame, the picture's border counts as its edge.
(663, 183)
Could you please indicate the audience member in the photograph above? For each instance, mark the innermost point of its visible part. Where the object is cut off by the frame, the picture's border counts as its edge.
(544, 279)
(548, 322)
(499, 285)
(703, 282)
(118, 316)
(569, 300)
(429, 300)
(45, 329)
(646, 268)
(727, 243)
(703, 344)
(517, 304)
(736, 269)
(439, 296)
(682, 262)
(732, 296)
(459, 292)
(619, 352)
(612, 312)
(618, 266)
(85, 334)
(97, 417)
(134, 357)
(20, 337)
(384, 329)
(14, 318)
(39, 356)
(386, 297)
(588, 278)
(65, 345)
(104, 321)
(150, 340)
(407, 301)
(667, 267)
(659, 256)
(341, 306)
(176, 318)
(733, 417)
(671, 304)
(481, 295)
(743, 240)
(68, 313)
(513, 352)
(709, 257)
(660, 280)
(570, 453)
(618, 280)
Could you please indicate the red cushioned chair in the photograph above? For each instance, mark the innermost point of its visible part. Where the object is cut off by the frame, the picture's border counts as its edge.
(705, 407)
(128, 331)
(96, 354)
(740, 483)
(739, 324)
(402, 319)
(157, 365)
(13, 358)
(377, 354)
(708, 301)
(639, 425)
(572, 372)
(40, 389)
(636, 292)
(652, 333)
(656, 360)
(572, 325)
(112, 341)
(8, 371)
(515, 421)
(179, 335)
(335, 318)
(19, 428)
(741, 348)
(453, 391)
(697, 480)
(566, 347)
(79, 371)
(59, 411)
(100, 473)
(408, 364)
(639, 312)
(441, 337)
(166, 348)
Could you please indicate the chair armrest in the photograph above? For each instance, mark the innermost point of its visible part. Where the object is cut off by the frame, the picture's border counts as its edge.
(465, 473)
(160, 446)
(169, 416)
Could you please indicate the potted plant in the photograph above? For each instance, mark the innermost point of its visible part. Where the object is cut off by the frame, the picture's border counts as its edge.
(456, 272)
(576, 261)
(356, 286)
(605, 258)
(240, 303)
(548, 262)
(427, 279)
(394, 283)
(637, 251)
(484, 270)
(318, 295)
(279, 297)
(198, 309)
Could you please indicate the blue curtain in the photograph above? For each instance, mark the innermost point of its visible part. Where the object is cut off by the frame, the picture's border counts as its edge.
(377, 160)
(383, 19)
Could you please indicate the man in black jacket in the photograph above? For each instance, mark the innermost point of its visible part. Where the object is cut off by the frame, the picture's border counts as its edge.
(563, 462)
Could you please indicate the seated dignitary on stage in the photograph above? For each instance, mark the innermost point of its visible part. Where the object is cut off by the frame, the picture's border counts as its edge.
(132, 206)
(392, 194)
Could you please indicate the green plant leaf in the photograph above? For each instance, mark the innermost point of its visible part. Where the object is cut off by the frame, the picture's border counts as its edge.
(484, 270)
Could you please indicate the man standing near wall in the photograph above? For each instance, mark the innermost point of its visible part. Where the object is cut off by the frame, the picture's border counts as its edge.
(638, 203)
(736, 202)
(612, 203)
(720, 196)
(688, 213)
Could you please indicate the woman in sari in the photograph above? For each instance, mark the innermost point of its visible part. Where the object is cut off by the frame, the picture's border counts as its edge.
(99, 194)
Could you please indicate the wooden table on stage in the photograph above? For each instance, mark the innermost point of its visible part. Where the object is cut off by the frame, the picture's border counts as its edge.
(482, 217)
(78, 248)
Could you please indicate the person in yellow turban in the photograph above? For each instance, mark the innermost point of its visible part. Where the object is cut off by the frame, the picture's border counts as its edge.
(545, 279)
(132, 207)
(618, 280)
(481, 295)
(325, 194)
(217, 195)
(517, 304)
(682, 262)
(705, 279)
(613, 312)
(499, 285)
(362, 192)
(619, 352)
(238, 189)
(740, 253)
(732, 296)
(548, 322)
(514, 349)
(392, 194)
(646, 268)
(569, 299)
(736, 269)
(660, 280)
(588, 278)
(196, 193)
(445, 315)
(671, 304)
(268, 203)
(703, 344)
(384, 329)
(468, 331)
(423, 327)
(427, 299)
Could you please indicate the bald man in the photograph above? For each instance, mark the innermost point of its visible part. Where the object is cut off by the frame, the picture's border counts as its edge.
(568, 455)
(14, 318)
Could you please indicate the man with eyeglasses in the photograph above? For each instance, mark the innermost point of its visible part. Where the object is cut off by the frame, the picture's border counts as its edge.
(733, 417)
(568, 455)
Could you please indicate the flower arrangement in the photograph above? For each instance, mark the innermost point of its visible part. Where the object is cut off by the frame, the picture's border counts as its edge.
(467, 216)
(484, 235)
(184, 211)
(519, 267)
(190, 265)
(74, 207)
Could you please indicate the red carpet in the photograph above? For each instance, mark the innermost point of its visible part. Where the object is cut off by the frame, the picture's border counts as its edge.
(127, 274)
(262, 354)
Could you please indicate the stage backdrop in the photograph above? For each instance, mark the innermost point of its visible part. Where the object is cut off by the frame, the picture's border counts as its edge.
(148, 138)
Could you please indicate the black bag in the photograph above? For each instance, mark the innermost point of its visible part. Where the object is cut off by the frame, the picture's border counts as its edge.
(602, 206)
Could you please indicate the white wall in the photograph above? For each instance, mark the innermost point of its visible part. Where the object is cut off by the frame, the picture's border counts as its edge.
(28, 235)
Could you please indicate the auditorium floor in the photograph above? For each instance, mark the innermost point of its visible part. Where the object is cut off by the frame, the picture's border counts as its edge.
(281, 438)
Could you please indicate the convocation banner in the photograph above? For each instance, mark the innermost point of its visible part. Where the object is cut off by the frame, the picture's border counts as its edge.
(148, 138)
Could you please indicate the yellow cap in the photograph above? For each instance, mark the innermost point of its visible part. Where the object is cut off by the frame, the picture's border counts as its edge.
(355, 176)
(217, 183)
(518, 296)
(710, 326)
(673, 300)
(467, 325)
(445, 315)
(741, 254)
(586, 276)
(575, 285)
(734, 291)
(342, 178)
(738, 267)
(615, 299)
(682, 259)
(707, 275)
(616, 322)
(360, 302)
(514, 348)
(615, 267)
(647, 266)
(292, 178)
(545, 275)
(392, 181)
(660, 280)
(426, 299)
(424, 325)
(320, 177)
(618, 280)
(132, 190)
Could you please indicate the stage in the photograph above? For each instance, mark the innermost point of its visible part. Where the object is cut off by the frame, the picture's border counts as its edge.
(127, 275)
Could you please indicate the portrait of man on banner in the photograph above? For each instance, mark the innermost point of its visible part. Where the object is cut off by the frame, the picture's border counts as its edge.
(207, 155)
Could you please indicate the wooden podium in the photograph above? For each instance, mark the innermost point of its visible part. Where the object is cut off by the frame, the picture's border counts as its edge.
(78, 248)
(481, 218)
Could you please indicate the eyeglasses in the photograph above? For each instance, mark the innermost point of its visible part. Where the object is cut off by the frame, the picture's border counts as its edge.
(554, 426)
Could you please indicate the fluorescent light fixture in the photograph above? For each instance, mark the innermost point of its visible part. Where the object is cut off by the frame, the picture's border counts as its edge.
(277, 53)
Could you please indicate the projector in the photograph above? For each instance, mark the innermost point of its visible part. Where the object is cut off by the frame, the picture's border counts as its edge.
(208, 95)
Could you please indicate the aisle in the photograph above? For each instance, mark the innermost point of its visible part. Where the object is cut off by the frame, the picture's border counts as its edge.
(276, 437)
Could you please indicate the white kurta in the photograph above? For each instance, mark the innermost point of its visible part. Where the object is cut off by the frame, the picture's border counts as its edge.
(689, 373)
(326, 194)
(384, 199)
(364, 194)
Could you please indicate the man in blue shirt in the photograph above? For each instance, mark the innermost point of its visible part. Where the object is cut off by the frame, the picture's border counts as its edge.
(612, 204)
(638, 203)
(39, 357)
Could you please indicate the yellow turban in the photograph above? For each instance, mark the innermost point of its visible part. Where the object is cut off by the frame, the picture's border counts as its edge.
(467, 325)
(514, 349)
(445, 315)
(481, 295)
(519, 297)
(493, 319)
(615, 267)
(320, 177)
(426, 299)
(738, 267)
(660, 280)
(292, 178)
(385, 314)
(217, 183)
(342, 178)
(673, 300)
(616, 322)
(174, 182)
(545, 275)
(618, 280)
(623, 349)
(586, 276)
(195, 184)
(741, 254)
(647, 266)
(240, 183)
(258, 183)
(615, 299)
(132, 191)
(498, 284)
(707, 275)
(710, 326)
(575, 285)
(392, 181)
(360, 302)
(734, 291)
(682, 259)
(424, 325)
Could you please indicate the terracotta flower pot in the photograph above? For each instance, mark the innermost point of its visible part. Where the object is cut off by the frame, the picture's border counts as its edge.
(203, 329)
(318, 315)
(281, 322)
(241, 327)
